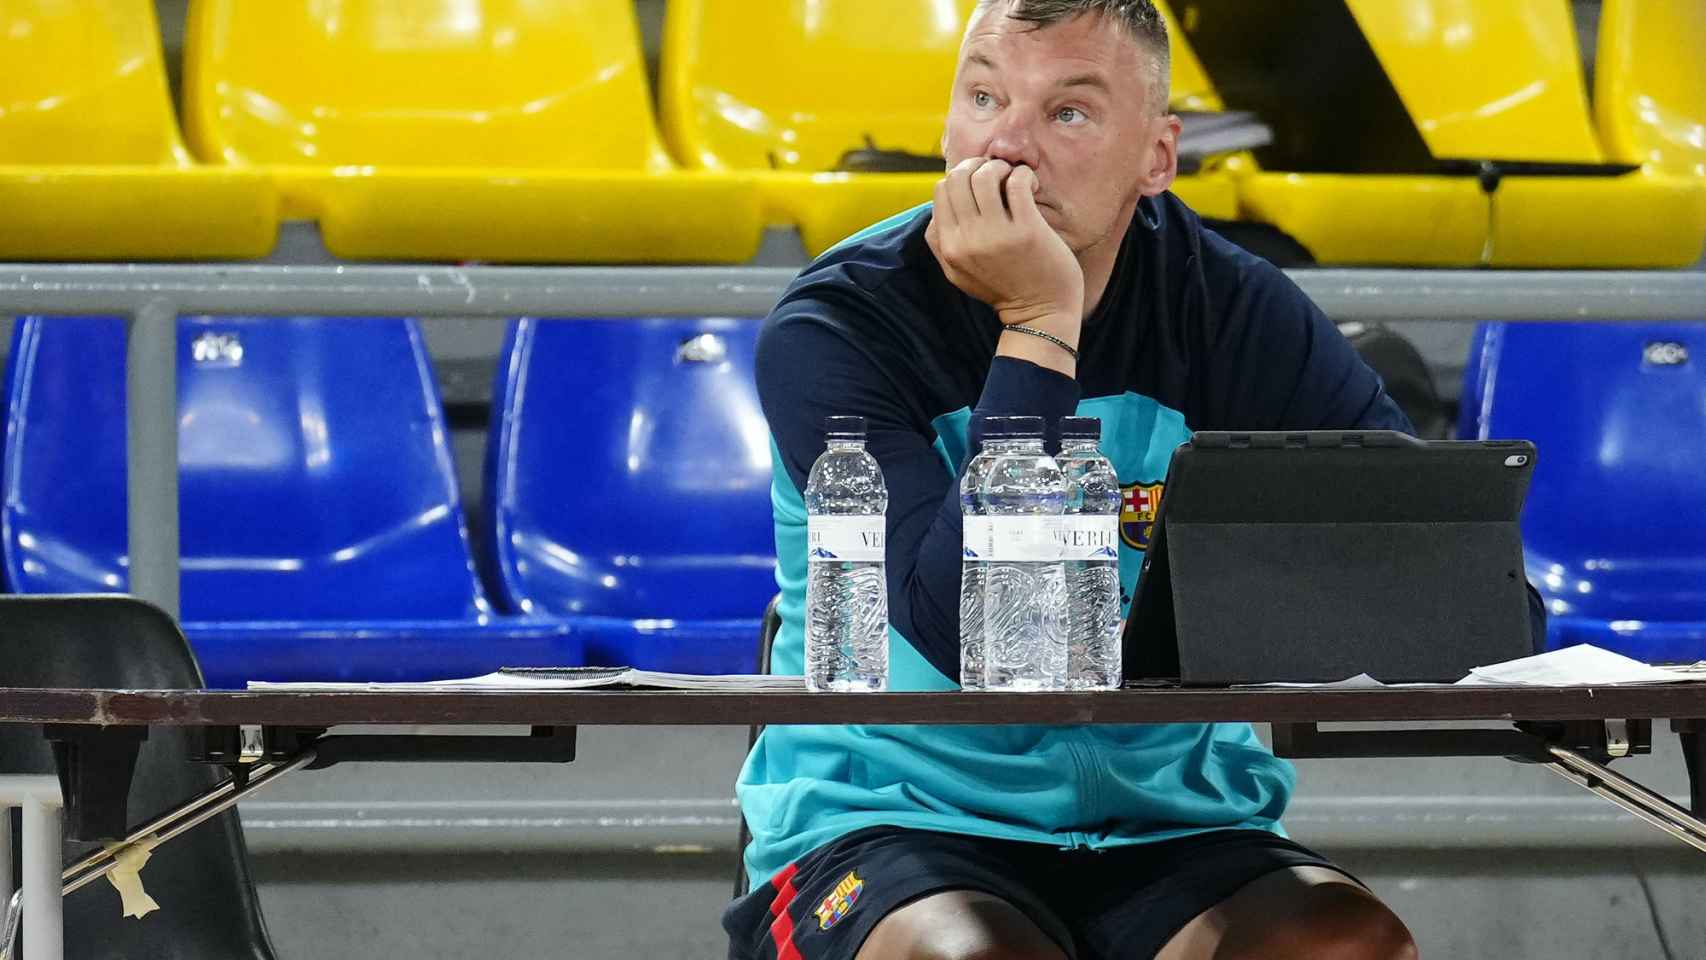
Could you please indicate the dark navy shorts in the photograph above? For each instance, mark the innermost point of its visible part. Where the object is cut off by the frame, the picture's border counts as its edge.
(1121, 902)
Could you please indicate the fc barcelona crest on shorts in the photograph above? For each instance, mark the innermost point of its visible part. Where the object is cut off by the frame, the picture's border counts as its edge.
(1139, 503)
(840, 901)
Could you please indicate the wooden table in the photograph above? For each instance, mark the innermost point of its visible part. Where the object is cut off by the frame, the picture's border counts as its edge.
(1572, 730)
(631, 707)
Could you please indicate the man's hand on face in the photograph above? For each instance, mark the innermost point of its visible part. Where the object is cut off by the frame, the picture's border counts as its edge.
(994, 244)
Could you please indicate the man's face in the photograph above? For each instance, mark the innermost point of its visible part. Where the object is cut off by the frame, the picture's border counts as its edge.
(1069, 100)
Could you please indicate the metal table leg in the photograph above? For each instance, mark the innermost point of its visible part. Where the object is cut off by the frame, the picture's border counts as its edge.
(5, 861)
(1692, 733)
(44, 914)
(44, 907)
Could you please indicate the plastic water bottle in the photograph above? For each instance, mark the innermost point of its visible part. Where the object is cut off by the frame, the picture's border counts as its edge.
(1024, 613)
(975, 552)
(1090, 540)
(847, 601)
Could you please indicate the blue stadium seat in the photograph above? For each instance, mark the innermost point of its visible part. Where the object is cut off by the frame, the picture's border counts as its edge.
(1615, 527)
(628, 485)
(321, 535)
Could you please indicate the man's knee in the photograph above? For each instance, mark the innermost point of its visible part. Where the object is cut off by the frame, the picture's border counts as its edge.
(1333, 921)
(959, 925)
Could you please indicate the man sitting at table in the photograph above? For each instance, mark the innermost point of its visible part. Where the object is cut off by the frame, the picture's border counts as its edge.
(1053, 274)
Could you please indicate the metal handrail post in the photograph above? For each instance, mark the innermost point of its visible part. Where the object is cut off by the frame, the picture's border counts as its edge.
(151, 441)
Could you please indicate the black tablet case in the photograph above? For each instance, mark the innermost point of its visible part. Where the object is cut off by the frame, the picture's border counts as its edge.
(1317, 556)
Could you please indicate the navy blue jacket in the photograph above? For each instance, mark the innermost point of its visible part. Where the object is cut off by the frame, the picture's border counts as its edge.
(1188, 320)
(1192, 333)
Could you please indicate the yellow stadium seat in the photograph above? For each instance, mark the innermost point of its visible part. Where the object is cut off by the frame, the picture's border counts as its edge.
(1483, 80)
(793, 85)
(1380, 150)
(499, 130)
(788, 90)
(770, 87)
(1650, 87)
(91, 164)
(1650, 108)
(1370, 219)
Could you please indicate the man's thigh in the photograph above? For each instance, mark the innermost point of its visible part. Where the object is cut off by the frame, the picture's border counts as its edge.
(905, 892)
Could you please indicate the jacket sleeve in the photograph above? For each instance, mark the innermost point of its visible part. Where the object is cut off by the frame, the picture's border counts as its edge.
(808, 370)
(1276, 362)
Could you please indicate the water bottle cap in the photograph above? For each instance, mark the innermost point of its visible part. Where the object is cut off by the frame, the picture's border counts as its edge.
(844, 428)
(997, 428)
(1080, 428)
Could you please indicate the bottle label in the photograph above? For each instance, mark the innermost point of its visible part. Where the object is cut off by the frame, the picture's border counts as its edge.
(842, 539)
(1024, 539)
(978, 538)
(1092, 537)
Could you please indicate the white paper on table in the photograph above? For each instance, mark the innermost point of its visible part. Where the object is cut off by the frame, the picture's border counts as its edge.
(1349, 683)
(570, 678)
(491, 681)
(1583, 664)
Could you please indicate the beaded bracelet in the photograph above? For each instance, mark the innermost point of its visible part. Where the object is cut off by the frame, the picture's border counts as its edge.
(1051, 338)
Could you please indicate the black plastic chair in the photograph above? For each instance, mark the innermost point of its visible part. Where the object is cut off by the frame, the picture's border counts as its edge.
(766, 638)
(201, 879)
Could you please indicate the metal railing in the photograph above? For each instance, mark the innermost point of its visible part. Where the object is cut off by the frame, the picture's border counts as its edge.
(149, 297)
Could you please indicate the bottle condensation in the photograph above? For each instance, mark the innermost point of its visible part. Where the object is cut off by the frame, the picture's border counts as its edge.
(847, 610)
(974, 552)
(1090, 541)
(1024, 614)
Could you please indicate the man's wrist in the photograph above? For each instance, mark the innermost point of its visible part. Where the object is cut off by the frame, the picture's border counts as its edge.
(1063, 322)
(1024, 330)
(1040, 351)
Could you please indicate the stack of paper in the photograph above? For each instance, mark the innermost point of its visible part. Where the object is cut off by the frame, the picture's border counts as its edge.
(1581, 665)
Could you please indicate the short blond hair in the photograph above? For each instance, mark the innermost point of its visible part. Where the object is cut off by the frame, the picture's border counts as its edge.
(1138, 18)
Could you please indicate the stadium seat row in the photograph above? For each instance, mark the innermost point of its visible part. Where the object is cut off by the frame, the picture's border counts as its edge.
(1614, 528)
(627, 503)
(627, 509)
(510, 131)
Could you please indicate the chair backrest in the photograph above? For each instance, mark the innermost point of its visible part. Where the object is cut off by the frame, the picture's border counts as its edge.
(759, 86)
(84, 83)
(764, 85)
(315, 474)
(200, 879)
(1408, 85)
(1649, 98)
(1615, 524)
(458, 83)
(1459, 67)
(771, 623)
(629, 470)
